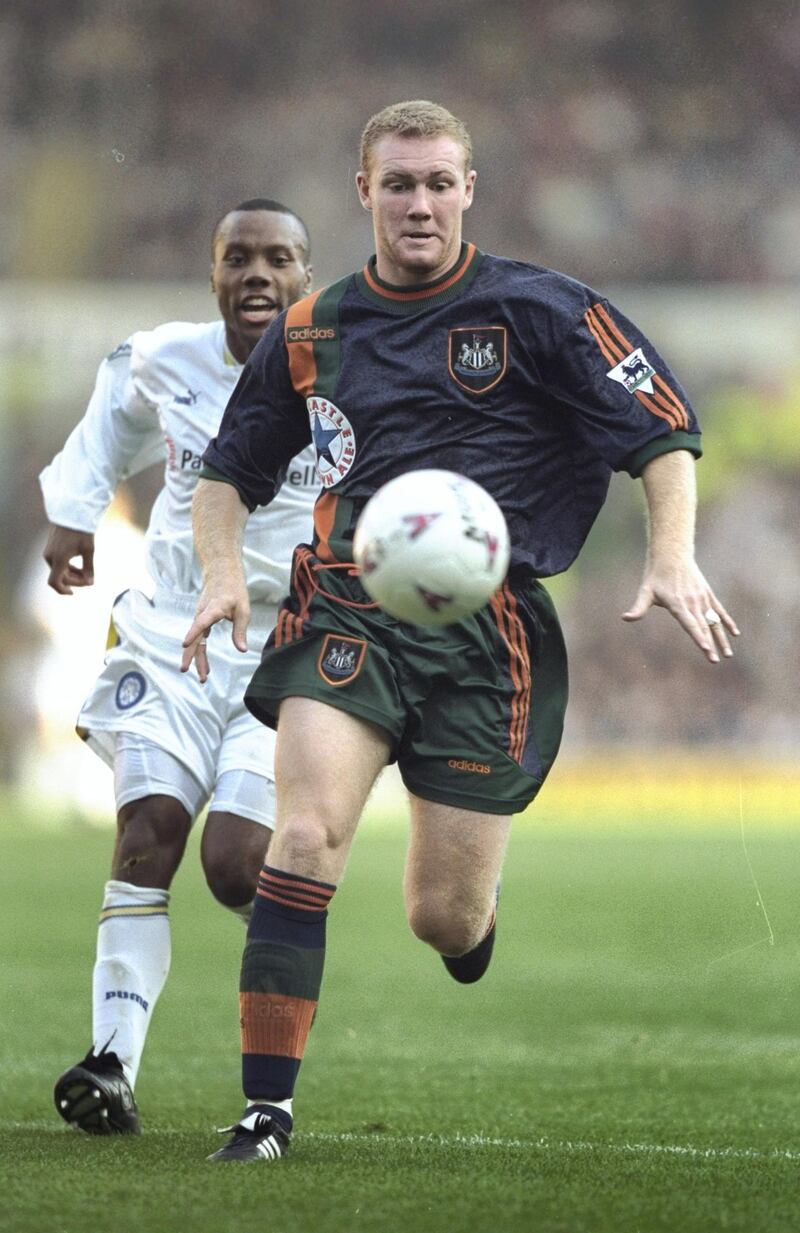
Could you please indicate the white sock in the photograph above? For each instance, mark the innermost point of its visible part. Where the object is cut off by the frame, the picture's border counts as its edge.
(286, 1105)
(133, 957)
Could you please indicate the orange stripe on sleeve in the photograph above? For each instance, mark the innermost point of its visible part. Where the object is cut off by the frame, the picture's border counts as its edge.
(615, 346)
(654, 409)
(681, 419)
(614, 330)
(670, 395)
(611, 354)
(302, 364)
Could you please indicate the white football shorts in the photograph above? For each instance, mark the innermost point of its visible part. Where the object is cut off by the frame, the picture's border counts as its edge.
(207, 728)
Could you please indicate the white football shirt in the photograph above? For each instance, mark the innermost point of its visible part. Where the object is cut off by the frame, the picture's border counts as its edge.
(161, 395)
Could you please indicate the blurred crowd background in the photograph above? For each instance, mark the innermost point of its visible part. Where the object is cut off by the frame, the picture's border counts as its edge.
(650, 150)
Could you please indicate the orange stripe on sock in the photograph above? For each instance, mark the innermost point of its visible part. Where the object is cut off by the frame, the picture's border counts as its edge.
(299, 884)
(275, 1024)
(286, 902)
(313, 903)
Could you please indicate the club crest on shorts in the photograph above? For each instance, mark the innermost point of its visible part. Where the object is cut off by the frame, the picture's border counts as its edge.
(340, 659)
(634, 372)
(334, 440)
(478, 357)
(130, 690)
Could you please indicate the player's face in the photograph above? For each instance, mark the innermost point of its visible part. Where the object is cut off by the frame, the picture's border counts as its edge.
(259, 268)
(417, 189)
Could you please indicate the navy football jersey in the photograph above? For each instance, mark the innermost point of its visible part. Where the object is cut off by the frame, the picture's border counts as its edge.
(517, 376)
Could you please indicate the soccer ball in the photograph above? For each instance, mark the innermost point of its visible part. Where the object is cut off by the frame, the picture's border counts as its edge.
(432, 547)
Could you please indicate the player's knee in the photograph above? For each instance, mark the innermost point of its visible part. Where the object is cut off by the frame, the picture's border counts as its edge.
(232, 853)
(151, 837)
(447, 930)
(306, 840)
(230, 881)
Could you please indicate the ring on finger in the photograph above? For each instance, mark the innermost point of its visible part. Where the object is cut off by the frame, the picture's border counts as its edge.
(711, 617)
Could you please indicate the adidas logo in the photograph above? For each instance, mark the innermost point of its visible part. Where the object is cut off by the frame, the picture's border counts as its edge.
(477, 768)
(306, 333)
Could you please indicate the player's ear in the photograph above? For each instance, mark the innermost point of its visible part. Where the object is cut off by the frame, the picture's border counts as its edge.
(469, 188)
(308, 278)
(211, 280)
(362, 184)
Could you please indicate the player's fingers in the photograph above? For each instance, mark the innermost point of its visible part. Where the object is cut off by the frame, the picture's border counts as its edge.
(195, 653)
(201, 661)
(721, 638)
(78, 577)
(642, 604)
(725, 617)
(239, 632)
(187, 656)
(198, 629)
(698, 630)
(721, 624)
(194, 647)
(57, 579)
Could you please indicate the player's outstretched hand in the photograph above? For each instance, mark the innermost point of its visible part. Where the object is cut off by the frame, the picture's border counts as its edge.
(214, 606)
(683, 591)
(63, 546)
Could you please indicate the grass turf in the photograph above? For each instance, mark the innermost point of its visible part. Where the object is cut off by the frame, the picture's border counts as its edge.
(629, 1063)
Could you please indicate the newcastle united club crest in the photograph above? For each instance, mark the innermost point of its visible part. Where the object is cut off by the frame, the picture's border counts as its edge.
(478, 357)
(340, 659)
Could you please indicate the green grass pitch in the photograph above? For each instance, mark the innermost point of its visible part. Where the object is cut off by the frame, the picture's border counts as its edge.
(630, 1063)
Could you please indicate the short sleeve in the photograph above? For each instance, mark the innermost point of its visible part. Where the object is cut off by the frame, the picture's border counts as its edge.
(628, 406)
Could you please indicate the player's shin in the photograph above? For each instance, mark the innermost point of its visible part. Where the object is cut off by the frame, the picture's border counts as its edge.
(280, 983)
(133, 959)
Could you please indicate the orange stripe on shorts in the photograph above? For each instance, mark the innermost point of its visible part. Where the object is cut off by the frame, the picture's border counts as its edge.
(509, 626)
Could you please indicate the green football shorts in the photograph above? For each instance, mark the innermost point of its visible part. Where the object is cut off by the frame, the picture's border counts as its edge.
(475, 710)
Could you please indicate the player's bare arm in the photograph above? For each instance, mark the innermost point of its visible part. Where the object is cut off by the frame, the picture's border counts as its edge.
(219, 517)
(63, 549)
(672, 579)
